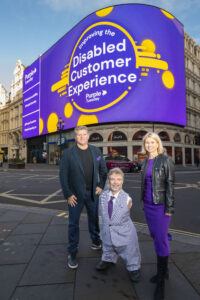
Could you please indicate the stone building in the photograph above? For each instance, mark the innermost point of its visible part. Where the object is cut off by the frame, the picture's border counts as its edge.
(182, 143)
(11, 141)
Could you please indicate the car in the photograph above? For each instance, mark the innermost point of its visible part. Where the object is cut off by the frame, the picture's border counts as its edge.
(122, 162)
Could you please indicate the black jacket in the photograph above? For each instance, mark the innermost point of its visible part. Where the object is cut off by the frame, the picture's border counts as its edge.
(163, 178)
(72, 177)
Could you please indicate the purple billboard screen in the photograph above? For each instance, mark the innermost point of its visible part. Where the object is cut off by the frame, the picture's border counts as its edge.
(123, 63)
(31, 100)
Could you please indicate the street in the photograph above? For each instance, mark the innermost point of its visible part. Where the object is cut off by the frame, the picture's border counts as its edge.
(41, 188)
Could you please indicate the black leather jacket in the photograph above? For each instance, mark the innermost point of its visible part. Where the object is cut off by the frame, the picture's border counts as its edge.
(163, 178)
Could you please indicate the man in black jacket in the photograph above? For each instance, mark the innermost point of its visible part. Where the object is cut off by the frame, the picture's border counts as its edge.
(83, 174)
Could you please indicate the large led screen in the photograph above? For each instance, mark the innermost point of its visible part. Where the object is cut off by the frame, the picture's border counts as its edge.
(122, 63)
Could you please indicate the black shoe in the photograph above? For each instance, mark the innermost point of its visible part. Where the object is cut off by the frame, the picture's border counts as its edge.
(135, 275)
(154, 279)
(96, 246)
(72, 262)
(103, 265)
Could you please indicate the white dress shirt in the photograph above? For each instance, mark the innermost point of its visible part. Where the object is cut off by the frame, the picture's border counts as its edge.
(115, 197)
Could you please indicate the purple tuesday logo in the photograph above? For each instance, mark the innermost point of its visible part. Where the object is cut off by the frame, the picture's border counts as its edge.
(106, 64)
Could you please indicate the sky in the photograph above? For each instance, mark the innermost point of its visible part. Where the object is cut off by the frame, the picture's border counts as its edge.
(28, 28)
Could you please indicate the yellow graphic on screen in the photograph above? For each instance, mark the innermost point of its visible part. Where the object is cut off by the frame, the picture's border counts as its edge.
(41, 125)
(146, 59)
(52, 122)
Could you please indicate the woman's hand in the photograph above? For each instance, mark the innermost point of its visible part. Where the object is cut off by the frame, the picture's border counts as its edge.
(168, 214)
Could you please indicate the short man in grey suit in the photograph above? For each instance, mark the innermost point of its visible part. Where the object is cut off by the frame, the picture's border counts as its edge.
(119, 235)
(83, 174)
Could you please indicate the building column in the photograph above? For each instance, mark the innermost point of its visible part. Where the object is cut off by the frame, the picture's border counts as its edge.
(130, 152)
(183, 156)
(105, 150)
(173, 153)
(192, 150)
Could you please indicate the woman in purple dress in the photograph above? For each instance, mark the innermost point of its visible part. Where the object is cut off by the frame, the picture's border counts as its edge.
(157, 194)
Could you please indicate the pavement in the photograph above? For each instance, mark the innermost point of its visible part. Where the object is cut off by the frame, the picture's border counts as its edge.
(33, 258)
(33, 261)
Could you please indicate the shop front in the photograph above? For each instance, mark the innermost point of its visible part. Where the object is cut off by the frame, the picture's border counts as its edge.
(56, 144)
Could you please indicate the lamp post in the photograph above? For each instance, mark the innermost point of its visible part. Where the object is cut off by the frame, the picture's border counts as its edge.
(60, 127)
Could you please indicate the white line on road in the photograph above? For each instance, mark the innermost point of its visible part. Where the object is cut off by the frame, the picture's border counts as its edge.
(28, 177)
(51, 196)
(197, 235)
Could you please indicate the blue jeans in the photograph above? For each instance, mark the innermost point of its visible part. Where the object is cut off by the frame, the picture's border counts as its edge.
(74, 217)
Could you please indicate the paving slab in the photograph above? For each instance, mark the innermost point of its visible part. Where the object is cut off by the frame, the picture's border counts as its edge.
(143, 237)
(9, 277)
(48, 266)
(29, 228)
(11, 253)
(6, 229)
(59, 220)
(110, 284)
(32, 218)
(44, 292)
(191, 269)
(56, 234)
(178, 247)
(147, 252)
(12, 216)
(177, 287)
(24, 239)
(85, 244)
(3, 210)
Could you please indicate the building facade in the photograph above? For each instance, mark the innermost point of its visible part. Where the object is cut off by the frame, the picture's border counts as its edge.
(11, 141)
(182, 143)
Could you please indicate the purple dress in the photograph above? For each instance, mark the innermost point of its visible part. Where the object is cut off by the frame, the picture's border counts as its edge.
(157, 221)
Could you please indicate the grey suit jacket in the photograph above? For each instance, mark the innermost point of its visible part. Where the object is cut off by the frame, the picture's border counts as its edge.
(72, 176)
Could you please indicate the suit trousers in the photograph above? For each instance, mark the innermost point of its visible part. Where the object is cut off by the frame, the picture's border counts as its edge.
(130, 253)
(74, 218)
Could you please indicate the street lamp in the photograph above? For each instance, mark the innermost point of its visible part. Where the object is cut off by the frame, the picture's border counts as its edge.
(60, 127)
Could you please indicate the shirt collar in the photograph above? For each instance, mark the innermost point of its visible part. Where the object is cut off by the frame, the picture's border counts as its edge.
(116, 195)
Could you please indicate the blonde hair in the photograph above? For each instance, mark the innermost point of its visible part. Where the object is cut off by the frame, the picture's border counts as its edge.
(116, 171)
(156, 137)
(79, 128)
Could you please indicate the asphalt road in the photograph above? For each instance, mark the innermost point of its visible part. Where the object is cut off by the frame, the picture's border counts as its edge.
(42, 189)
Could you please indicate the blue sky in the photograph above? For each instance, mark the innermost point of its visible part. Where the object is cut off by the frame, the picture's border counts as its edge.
(30, 27)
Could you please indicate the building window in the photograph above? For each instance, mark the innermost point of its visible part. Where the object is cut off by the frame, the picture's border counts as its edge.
(164, 136)
(196, 156)
(187, 139)
(188, 156)
(117, 136)
(117, 150)
(138, 136)
(196, 140)
(177, 138)
(168, 150)
(178, 156)
(95, 137)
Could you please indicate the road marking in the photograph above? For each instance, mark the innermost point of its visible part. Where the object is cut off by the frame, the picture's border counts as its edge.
(18, 198)
(51, 196)
(28, 177)
(187, 233)
(32, 195)
(8, 192)
(63, 214)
